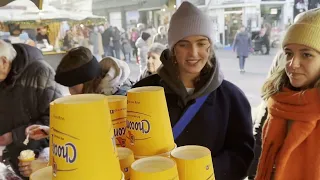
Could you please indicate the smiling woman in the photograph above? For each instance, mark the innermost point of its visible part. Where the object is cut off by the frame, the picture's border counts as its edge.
(193, 81)
(192, 54)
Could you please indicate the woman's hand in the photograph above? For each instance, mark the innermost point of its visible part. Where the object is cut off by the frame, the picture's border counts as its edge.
(25, 168)
(37, 132)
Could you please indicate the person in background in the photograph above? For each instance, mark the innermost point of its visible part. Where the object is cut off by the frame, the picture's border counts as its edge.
(154, 61)
(82, 73)
(95, 39)
(161, 37)
(142, 46)
(85, 32)
(191, 74)
(106, 38)
(133, 40)
(67, 41)
(290, 136)
(242, 44)
(126, 48)
(265, 36)
(27, 87)
(79, 37)
(152, 31)
(42, 35)
(116, 37)
(15, 33)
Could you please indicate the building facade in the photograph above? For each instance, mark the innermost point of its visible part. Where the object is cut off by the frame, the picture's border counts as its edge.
(126, 14)
(230, 15)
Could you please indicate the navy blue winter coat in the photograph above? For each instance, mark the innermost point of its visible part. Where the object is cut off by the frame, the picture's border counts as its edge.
(223, 124)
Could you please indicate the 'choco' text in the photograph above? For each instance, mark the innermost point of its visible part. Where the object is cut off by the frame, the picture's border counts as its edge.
(143, 126)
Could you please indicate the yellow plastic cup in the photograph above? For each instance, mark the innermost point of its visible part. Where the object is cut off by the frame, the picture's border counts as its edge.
(118, 112)
(126, 158)
(38, 164)
(82, 144)
(149, 129)
(193, 162)
(155, 168)
(42, 174)
(27, 160)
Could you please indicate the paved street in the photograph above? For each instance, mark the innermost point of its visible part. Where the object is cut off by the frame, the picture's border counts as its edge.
(257, 67)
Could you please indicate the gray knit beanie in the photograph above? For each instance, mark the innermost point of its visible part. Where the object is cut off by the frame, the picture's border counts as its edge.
(188, 20)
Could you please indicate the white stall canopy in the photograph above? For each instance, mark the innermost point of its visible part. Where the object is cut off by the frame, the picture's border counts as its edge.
(22, 10)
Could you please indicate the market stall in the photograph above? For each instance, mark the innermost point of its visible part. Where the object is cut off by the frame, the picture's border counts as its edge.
(47, 28)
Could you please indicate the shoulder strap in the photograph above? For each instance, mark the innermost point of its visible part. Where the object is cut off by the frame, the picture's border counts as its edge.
(188, 116)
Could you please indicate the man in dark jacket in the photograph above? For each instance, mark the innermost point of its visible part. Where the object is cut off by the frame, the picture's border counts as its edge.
(27, 87)
(190, 71)
(116, 37)
(106, 40)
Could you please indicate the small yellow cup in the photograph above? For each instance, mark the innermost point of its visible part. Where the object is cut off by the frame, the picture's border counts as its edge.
(148, 131)
(38, 164)
(194, 162)
(118, 112)
(26, 160)
(126, 158)
(154, 168)
(42, 174)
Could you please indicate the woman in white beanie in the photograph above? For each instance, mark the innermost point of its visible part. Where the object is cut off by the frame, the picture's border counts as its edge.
(290, 137)
(219, 113)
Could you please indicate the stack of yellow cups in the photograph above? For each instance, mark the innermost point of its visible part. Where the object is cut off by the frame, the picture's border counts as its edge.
(149, 131)
(82, 142)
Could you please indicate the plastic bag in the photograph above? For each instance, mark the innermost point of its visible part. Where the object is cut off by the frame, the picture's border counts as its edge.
(7, 174)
